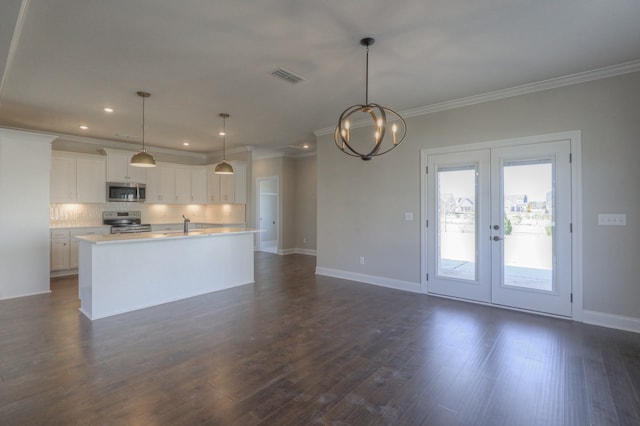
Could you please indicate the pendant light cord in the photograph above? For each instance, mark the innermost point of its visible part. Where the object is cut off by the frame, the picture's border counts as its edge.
(366, 92)
(143, 148)
(224, 139)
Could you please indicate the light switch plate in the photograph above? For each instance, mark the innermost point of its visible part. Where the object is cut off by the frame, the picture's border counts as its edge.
(612, 219)
(408, 216)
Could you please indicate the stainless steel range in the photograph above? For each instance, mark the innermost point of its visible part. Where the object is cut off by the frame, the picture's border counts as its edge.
(125, 222)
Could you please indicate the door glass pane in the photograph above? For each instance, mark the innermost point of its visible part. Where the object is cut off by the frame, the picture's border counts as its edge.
(457, 218)
(528, 224)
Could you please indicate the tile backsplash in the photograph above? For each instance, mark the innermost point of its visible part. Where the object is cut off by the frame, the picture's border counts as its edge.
(91, 214)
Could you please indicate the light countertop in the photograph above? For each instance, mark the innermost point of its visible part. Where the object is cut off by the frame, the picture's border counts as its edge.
(65, 226)
(164, 235)
(58, 226)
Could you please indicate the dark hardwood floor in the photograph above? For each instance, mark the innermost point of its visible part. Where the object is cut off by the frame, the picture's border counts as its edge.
(299, 349)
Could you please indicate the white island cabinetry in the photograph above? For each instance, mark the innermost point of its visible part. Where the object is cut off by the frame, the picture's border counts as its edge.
(168, 267)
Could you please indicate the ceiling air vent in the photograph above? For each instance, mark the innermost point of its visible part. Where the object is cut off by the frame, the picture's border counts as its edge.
(287, 75)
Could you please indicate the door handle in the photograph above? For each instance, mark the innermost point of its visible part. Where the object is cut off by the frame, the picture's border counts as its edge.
(496, 238)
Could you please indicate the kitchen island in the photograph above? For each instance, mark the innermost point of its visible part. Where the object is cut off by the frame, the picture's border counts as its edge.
(118, 273)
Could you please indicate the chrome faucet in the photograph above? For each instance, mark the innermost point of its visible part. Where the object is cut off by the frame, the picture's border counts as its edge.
(186, 224)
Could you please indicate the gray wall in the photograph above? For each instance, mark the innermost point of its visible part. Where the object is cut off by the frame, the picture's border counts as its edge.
(283, 168)
(297, 202)
(361, 205)
(306, 202)
(288, 217)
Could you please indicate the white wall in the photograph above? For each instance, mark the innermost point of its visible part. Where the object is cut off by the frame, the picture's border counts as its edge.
(25, 160)
(361, 204)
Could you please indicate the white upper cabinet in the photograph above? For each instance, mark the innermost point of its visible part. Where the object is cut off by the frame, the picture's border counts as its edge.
(63, 179)
(161, 184)
(81, 178)
(91, 184)
(199, 185)
(183, 186)
(177, 184)
(77, 178)
(154, 184)
(213, 186)
(228, 188)
(119, 169)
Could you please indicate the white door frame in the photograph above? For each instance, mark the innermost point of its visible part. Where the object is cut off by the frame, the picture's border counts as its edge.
(258, 207)
(576, 204)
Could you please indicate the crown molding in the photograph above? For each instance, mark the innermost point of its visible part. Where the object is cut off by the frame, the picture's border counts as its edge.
(266, 154)
(17, 33)
(553, 83)
(109, 144)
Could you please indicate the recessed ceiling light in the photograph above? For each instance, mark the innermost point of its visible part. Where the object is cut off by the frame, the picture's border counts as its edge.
(305, 146)
(83, 127)
(222, 133)
(107, 109)
(185, 143)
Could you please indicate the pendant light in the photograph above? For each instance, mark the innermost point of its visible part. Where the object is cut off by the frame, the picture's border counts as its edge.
(143, 158)
(224, 168)
(381, 117)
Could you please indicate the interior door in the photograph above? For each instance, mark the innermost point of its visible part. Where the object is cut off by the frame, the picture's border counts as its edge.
(268, 213)
(498, 227)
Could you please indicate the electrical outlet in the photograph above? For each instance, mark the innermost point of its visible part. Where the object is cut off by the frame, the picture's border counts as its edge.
(304, 240)
(362, 260)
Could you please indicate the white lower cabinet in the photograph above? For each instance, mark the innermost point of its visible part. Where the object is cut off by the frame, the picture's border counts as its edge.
(64, 246)
(60, 250)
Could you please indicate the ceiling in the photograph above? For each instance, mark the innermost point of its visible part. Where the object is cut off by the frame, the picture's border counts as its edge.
(65, 60)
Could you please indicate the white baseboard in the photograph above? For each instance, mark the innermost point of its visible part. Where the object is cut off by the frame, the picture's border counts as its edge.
(370, 279)
(590, 317)
(612, 321)
(64, 273)
(308, 252)
(24, 295)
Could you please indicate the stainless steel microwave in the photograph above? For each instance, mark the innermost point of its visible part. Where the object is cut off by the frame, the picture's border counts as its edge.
(127, 191)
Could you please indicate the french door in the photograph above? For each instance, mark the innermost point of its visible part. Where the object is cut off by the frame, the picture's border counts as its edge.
(499, 226)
